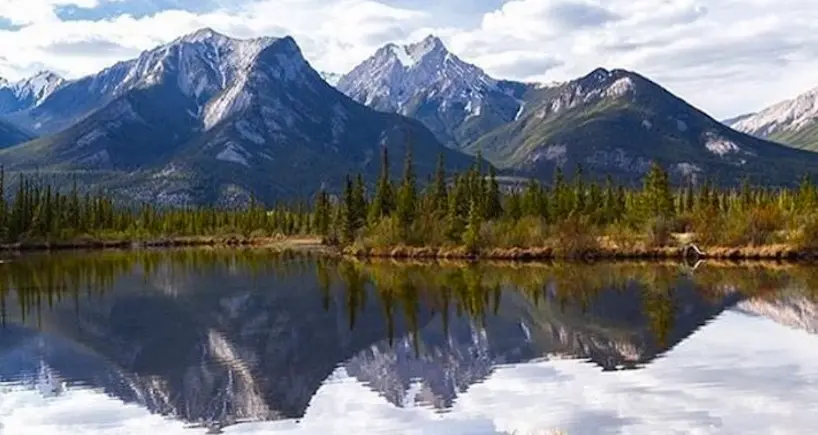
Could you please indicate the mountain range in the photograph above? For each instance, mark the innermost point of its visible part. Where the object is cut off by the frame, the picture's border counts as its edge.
(793, 122)
(209, 118)
(610, 121)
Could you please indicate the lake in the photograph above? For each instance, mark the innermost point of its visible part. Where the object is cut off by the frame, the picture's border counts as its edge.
(214, 341)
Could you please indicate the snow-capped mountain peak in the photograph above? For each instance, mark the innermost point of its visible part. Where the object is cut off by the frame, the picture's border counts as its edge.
(412, 54)
(204, 62)
(395, 74)
(28, 92)
(203, 34)
(425, 77)
(37, 87)
(201, 65)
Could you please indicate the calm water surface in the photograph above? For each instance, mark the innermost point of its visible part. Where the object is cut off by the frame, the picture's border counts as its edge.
(187, 342)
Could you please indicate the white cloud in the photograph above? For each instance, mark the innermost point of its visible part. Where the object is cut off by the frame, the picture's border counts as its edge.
(725, 56)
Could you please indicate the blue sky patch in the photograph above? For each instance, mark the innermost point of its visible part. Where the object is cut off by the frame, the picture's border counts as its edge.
(134, 8)
(5, 24)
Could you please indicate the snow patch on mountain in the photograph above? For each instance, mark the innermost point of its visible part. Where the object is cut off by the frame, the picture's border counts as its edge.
(520, 111)
(719, 145)
(403, 56)
(233, 100)
(620, 87)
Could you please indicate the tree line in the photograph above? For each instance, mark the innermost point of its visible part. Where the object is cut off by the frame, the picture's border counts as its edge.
(468, 208)
(37, 211)
(471, 209)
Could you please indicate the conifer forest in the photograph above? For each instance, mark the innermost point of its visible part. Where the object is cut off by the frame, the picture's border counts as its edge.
(470, 210)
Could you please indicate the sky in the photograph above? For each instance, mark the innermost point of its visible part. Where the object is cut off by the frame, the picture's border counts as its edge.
(726, 57)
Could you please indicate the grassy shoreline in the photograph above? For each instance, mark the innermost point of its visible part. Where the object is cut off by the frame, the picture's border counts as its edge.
(777, 252)
(601, 251)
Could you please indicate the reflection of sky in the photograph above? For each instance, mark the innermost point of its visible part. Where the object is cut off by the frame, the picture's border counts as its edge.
(740, 374)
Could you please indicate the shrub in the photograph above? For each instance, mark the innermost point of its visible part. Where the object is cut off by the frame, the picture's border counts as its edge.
(522, 233)
(387, 232)
(623, 236)
(659, 231)
(575, 237)
(754, 227)
(805, 231)
(708, 227)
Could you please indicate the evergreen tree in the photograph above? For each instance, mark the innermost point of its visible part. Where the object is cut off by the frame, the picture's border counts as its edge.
(322, 213)
(455, 222)
(657, 195)
(494, 205)
(471, 237)
(359, 204)
(513, 207)
(407, 197)
(439, 192)
(579, 190)
(384, 201)
(349, 216)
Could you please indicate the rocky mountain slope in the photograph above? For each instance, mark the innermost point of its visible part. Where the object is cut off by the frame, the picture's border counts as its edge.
(612, 122)
(458, 101)
(792, 122)
(198, 65)
(616, 122)
(207, 118)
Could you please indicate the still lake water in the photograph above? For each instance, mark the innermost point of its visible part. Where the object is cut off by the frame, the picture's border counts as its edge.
(197, 341)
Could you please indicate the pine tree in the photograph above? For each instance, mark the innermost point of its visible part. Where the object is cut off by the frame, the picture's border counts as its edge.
(657, 196)
(513, 207)
(609, 202)
(349, 214)
(359, 202)
(579, 190)
(384, 201)
(455, 223)
(407, 197)
(322, 213)
(559, 197)
(471, 238)
(439, 192)
(494, 205)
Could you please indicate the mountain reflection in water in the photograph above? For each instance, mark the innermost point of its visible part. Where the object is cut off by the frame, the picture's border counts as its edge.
(259, 342)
